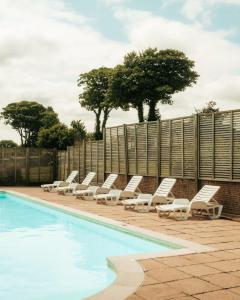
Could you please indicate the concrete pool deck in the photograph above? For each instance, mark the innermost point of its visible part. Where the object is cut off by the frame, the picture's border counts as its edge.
(210, 275)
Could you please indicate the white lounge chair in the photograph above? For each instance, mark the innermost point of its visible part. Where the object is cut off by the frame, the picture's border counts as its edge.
(52, 187)
(88, 193)
(203, 203)
(74, 186)
(55, 184)
(145, 203)
(130, 191)
(112, 198)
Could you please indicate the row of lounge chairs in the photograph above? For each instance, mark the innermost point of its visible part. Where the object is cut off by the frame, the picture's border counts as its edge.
(163, 200)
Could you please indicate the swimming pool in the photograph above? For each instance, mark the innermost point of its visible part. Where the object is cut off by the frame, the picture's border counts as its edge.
(46, 254)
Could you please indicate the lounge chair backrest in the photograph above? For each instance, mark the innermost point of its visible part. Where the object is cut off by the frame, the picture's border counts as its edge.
(206, 193)
(72, 176)
(109, 181)
(165, 187)
(87, 180)
(133, 184)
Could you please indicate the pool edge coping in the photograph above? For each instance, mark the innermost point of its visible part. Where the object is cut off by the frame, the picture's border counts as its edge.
(129, 273)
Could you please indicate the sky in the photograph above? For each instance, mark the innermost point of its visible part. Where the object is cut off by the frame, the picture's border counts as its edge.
(45, 45)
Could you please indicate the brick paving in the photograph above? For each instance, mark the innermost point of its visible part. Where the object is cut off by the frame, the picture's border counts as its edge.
(204, 276)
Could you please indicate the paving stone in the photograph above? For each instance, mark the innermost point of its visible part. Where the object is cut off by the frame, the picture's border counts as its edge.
(175, 261)
(223, 280)
(221, 295)
(224, 255)
(201, 258)
(167, 274)
(151, 264)
(158, 291)
(192, 286)
(236, 290)
(227, 265)
(198, 270)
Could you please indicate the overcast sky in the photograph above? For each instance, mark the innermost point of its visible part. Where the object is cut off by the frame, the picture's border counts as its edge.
(45, 45)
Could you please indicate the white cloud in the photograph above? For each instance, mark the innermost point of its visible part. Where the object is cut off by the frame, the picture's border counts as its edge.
(44, 47)
(202, 9)
(217, 59)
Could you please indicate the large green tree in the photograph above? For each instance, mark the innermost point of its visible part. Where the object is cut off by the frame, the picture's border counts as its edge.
(58, 136)
(8, 144)
(95, 96)
(27, 117)
(150, 77)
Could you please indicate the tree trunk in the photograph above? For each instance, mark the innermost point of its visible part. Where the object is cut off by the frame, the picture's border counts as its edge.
(152, 112)
(105, 118)
(98, 133)
(140, 113)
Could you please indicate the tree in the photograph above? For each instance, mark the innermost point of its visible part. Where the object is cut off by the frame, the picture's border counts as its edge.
(79, 130)
(150, 77)
(8, 144)
(58, 136)
(95, 96)
(49, 118)
(210, 107)
(27, 117)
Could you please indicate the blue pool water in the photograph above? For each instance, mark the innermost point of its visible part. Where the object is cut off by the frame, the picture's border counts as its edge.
(49, 255)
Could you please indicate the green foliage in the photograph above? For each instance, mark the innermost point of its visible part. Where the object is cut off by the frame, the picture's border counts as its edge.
(79, 129)
(58, 136)
(90, 136)
(210, 107)
(150, 77)
(49, 118)
(95, 96)
(27, 117)
(8, 144)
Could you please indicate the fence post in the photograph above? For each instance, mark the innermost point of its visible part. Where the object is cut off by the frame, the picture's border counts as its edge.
(27, 165)
(55, 165)
(213, 146)
(136, 150)
(15, 165)
(231, 145)
(104, 153)
(79, 162)
(158, 151)
(84, 159)
(125, 152)
(196, 146)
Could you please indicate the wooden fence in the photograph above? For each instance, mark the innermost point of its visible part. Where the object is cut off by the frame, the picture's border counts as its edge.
(26, 165)
(199, 147)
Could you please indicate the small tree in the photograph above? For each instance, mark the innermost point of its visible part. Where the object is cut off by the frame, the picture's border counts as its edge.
(8, 144)
(95, 96)
(79, 130)
(58, 136)
(150, 77)
(27, 117)
(210, 107)
(49, 118)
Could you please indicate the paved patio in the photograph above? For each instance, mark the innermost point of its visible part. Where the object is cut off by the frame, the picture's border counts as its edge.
(213, 275)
